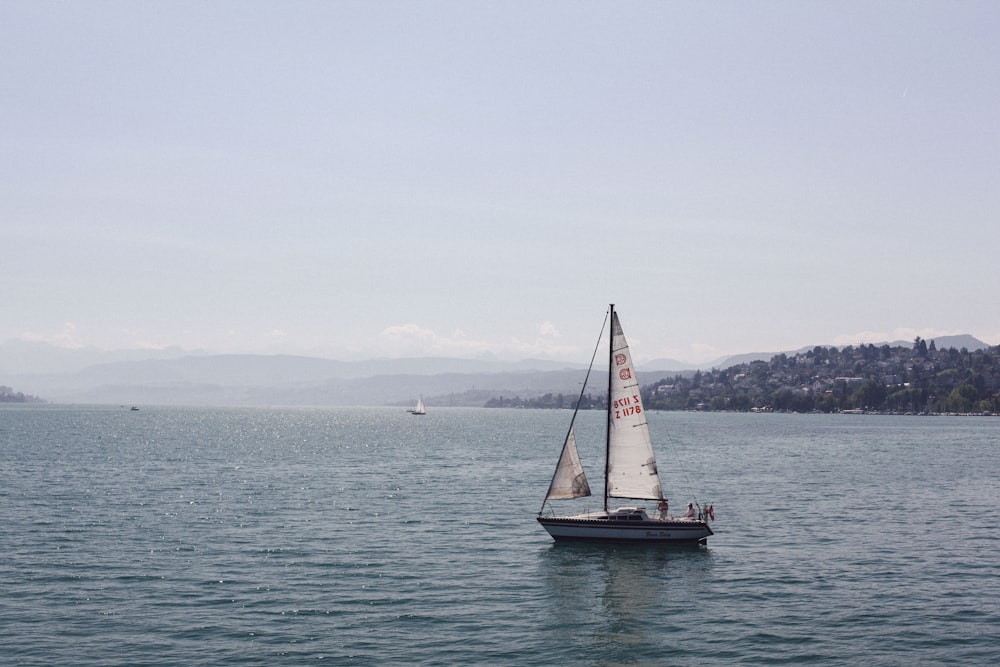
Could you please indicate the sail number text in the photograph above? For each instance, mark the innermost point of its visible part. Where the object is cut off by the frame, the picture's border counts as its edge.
(628, 406)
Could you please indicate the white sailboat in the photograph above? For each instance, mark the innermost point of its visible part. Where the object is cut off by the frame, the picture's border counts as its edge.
(630, 471)
(420, 409)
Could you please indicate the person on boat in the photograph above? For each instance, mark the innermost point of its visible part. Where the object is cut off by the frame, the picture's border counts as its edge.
(690, 514)
(663, 506)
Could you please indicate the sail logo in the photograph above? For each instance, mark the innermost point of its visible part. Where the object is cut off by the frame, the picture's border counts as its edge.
(625, 373)
(620, 359)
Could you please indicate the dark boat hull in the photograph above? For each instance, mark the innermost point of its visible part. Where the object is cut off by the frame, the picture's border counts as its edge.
(580, 529)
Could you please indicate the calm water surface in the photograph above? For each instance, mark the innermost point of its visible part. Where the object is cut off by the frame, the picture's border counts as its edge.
(175, 536)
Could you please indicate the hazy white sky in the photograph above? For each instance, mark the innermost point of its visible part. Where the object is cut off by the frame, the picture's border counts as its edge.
(459, 178)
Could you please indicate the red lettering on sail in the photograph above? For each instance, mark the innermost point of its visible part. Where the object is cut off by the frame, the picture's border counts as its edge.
(625, 373)
(621, 402)
(620, 359)
(627, 411)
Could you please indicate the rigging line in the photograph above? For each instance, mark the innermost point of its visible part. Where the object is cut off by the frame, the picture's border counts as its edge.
(580, 399)
(690, 486)
(687, 477)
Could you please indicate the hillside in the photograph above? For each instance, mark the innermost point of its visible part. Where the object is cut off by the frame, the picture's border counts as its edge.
(192, 379)
(918, 379)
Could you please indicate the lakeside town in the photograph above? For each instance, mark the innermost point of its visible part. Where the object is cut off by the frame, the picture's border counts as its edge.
(921, 379)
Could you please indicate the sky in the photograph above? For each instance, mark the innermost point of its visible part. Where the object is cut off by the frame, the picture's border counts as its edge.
(476, 179)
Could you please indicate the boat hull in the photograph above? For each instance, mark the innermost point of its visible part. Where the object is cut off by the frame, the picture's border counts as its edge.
(578, 529)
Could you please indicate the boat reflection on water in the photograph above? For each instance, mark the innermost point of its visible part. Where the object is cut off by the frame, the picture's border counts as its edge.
(623, 598)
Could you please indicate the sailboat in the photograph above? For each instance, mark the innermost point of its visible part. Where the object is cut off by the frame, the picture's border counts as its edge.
(629, 473)
(420, 409)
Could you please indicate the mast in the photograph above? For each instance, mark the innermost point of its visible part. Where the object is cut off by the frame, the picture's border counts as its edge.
(607, 432)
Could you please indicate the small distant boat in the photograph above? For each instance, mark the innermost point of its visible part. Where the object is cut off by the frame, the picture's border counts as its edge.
(629, 471)
(420, 409)
(134, 409)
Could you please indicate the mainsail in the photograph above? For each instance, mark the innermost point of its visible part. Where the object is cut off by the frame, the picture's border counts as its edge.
(569, 480)
(631, 464)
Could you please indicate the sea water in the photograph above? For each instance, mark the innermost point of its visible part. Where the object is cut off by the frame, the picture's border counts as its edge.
(361, 536)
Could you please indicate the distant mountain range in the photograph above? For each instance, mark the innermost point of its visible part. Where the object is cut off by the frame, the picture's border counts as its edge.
(176, 377)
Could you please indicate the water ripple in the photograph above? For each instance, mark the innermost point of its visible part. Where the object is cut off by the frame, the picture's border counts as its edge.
(365, 537)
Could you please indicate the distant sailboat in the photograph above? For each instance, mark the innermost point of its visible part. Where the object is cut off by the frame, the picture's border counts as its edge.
(420, 409)
(629, 472)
